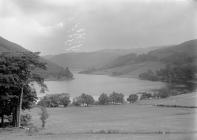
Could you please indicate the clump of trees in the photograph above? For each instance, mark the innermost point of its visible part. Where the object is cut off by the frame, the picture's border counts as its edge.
(116, 98)
(55, 100)
(103, 99)
(179, 72)
(145, 95)
(132, 98)
(16, 76)
(83, 100)
(65, 74)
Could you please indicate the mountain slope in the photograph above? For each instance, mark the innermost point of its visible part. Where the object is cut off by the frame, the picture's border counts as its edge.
(133, 65)
(84, 60)
(53, 70)
(7, 46)
(92, 60)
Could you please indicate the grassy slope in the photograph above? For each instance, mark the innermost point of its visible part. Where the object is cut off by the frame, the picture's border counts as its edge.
(83, 60)
(132, 70)
(126, 66)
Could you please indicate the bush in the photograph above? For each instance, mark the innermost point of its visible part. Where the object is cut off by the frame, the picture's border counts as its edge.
(163, 92)
(116, 98)
(55, 100)
(64, 100)
(103, 99)
(132, 98)
(25, 119)
(43, 116)
(145, 96)
(77, 101)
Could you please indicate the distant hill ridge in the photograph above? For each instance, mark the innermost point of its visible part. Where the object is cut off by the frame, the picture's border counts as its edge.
(91, 60)
(132, 64)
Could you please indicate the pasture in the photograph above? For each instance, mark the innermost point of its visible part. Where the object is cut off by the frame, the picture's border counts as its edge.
(125, 122)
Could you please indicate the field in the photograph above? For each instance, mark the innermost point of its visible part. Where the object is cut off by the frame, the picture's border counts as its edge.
(113, 122)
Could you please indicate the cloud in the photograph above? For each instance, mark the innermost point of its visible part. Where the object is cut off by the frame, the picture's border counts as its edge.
(53, 26)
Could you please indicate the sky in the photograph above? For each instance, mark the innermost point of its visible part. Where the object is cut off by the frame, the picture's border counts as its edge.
(60, 26)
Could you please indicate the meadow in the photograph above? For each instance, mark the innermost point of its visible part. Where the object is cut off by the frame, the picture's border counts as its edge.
(113, 122)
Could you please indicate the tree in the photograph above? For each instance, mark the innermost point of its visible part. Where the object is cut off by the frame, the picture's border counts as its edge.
(64, 99)
(103, 99)
(65, 74)
(116, 98)
(132, 98)
(16, 76)
(87, 99)
(83, 99)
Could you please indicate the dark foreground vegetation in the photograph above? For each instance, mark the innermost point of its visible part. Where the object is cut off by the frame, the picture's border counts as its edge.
(16, 79)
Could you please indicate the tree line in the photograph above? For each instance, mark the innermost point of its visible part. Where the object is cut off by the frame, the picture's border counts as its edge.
(179, 72)
(115, 98)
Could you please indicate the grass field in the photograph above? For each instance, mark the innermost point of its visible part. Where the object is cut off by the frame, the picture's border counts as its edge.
(113, 122)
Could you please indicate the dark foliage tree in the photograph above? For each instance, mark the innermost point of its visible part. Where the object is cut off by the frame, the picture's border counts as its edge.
(16, 76)
(84, 100)
(64, 99)
(132, 98)
(103, 99)
(65, 74)
(116, 98)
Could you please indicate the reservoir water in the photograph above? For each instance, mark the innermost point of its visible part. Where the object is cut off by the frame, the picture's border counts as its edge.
(97, 84)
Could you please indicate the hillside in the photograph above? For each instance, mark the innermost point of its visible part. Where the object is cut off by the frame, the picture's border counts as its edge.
(131, 65)
(53, 70)
(84, 60)
(92, 60)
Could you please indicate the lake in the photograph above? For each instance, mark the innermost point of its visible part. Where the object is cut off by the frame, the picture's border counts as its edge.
(97, 84)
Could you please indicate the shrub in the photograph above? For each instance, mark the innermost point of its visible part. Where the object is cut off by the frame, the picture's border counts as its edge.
(163, 92)
(145, 96)
(64, 99)
(103, 99)
(31, 129)
(132, 98)
(55, 100)
(116, 98)
(43, 115)
(76, 101)
(25, 119)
